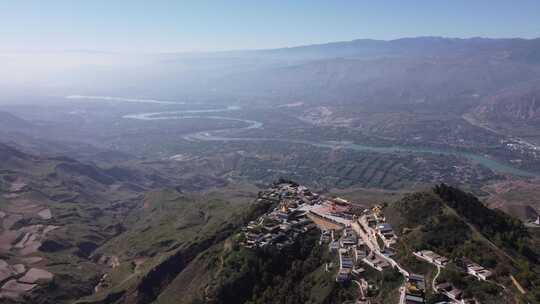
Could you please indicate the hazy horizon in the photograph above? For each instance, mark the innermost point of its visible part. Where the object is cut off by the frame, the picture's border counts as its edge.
(207, 26)
(104, 52)
(269, 152)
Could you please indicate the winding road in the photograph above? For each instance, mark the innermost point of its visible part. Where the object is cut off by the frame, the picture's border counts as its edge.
(434, 282)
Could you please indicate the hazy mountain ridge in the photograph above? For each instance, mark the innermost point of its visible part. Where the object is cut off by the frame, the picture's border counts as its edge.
(404, 47)
(518, 104)
(200, 74)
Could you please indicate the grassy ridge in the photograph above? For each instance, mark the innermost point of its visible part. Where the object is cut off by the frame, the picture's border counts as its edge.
(455, 224)
(165, 235)
(229, 273)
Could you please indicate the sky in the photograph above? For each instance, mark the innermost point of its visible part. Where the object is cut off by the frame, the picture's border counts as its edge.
(183, 26)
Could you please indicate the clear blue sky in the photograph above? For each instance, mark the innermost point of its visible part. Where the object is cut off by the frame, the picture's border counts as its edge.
(164, 26)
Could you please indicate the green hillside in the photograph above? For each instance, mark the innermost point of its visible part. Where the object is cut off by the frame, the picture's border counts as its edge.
(457, 225)
(234, 274)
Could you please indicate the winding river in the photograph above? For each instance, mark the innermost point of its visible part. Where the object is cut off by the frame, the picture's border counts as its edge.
(222, 135)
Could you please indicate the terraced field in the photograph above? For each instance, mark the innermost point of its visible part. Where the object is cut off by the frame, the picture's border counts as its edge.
(341, 168)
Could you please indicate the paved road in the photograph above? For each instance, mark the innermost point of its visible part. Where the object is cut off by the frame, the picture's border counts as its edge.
(362, 299)
(360, 289)
(433, 283)
(370, 238)
(402, 295)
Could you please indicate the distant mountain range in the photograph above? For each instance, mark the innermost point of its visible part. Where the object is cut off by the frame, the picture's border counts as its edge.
(368, 48)
(494, 78)
(418, 74)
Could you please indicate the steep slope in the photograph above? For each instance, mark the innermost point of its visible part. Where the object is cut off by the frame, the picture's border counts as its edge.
(233, 274)
(457, 225)
(74, 222)
(50, 223)
(164, 237)
(446, 220)
(184, 249)
(513, 110)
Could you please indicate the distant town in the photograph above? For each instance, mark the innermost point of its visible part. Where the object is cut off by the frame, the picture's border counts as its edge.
(357, 237)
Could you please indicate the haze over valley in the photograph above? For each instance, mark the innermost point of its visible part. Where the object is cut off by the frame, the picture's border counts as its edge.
(380, 170)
